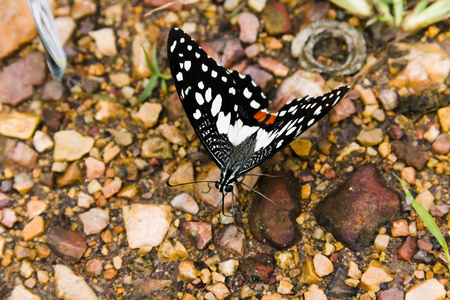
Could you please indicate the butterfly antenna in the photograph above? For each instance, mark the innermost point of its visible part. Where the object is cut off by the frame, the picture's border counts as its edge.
(186, 183)
(261, 194)
(267, 175)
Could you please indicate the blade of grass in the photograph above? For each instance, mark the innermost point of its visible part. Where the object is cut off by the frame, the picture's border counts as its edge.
(427, 219)
(148, 89)
(147, 60)
(163, 86)
(155, 62)
(398, 12)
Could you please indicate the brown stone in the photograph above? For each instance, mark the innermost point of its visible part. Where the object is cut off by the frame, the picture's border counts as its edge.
(23, 253)
(147, 286)
(356, 210)
(68, 245)
(198, 233)
(94, 267)
(408, 249)
(72, 176)
(411, 155)
(258, 268)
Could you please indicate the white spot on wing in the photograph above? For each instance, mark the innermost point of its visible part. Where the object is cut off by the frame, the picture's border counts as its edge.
(216, 105)
(310, 122)
(279, 144)
(254, 104)
(201, 85)
(189, 47)
(199, 98)
(223, 123)
(174, 44)
(247, 93)
(187, 65)
(197, 54)
(204, 67)
(213, 74)
(232, 91)
(208, 95)
(318, 111)
(197, 114)
(282, 113)
(179, 76)
(224, 79)
(182, 40)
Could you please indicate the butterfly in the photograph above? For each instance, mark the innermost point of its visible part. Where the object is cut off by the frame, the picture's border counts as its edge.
(228, 111)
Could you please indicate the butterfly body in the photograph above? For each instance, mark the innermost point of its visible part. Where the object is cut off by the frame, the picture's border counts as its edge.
(229, 113)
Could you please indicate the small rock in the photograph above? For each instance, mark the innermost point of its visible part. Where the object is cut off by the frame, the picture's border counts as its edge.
(308, 274)
(120, 79)
(213, 196)
(262, 78)
(53, 90)
(186, 203)
(430, 289)
(257, 5)
(124, 137)
(252, 51)
(23, 253)
(276, 19)
(85, 200)
(391, 294)
(139, 64)
(148, 114)
(389, 99)
(71, 287)
(395, 132)
(442, 144)
(411, 155)
(249, 25)
(224, 51)
(70, 145)
(301, 147)
(35, 207)
(131, 192)
(72, 176)
(112, 188)
(156, 147)
(370, 137)
(144, 287)
(355, 212)
(187, 270)
(33, 229)
(8, 217)
(109, 111)
(94, 267)
(94, 220)
(344, 109)
(408, 249)
(198, 233)
(439, 210)
(172, 134)
(285, 287)
(409, 174)
(322, 265)
(53, 118)
(94, 168)
(400, 228)
(42, 142)
(354, 271)
(273, 66)
(284, 259)
(21, 293)
(432, 133)
(219, 290)
(231, 239)
(314, 293)
(17, 79)
(426, 199)
(4, 200)
(347, 151)
(172, 251)
(258, 268)
(444, 118)
(374, 276)
(229, 267)
(366, 94)
(338, 287)
(146, 224)
(24, 155)
(381, 242)
(18, 125)
(23, 183)
(68, 245)
(105, 41)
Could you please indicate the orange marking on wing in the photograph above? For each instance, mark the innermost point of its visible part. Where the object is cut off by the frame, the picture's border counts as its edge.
(260, 116)
(271, 119)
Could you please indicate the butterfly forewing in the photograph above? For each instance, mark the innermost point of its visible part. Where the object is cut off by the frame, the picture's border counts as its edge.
(227, 109)
(219, 103)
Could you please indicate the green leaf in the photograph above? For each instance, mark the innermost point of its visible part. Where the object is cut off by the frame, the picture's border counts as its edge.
(427, 219)
(165, 76)
(155, 61)
(147, 60)
(163, 86)
(148, 89)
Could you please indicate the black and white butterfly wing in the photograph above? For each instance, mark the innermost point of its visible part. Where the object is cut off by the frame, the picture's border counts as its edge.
(290, 122)
(219, 103)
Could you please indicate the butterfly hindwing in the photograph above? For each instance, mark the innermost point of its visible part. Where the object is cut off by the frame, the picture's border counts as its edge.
(219, 103)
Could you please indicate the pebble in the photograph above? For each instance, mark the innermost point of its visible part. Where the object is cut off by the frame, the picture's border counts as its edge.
(371, 137)
(53, 91)
(301, 147)
(388, 99)
(262, 78)
(198, 233)
(139, 64)
(42, 142)
(285, 287)
(409, 175)
(229, 267)
(33, 229)
(146, 224)
(439, 210)
(112, 188)
(344, 109)
(108, 111)
(73, 175)
(148, 114)
(94, 267)
(187, 270)
(365, 194)
(400, 228)
(322, 265)
(23, 253)
(82, 8)
(273, 66)
(105, 41)
(8, 217)
(374, 276)
(219, 290)
(68, 245)
(94, 168)
(431, 134)
(172, 134)
(94, 220)
(230, 5)
(18, 125)
(249, 25)
(120, 79)
(430, 289)
(156, 147)
(314, 293)
(35, 207)
(444, 118)
(284, 259)
(231, 239)
(366, 94)
(252, 51)
(381, 242)
(23, 183)
(395, 132)
(257, 5)
(408, 249)
(17, 79)
(442, 144)
(172, 251)
(411, 155)
(71, 287)
(124, 137)
(391, 294)
(276, 19)
(258, 267)
(186, 203)
(70, 145)
(21, 293)
(213, 196)
(426, 199)
(24, 155)
(354, 271)
(384, 149)
(308, 274)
